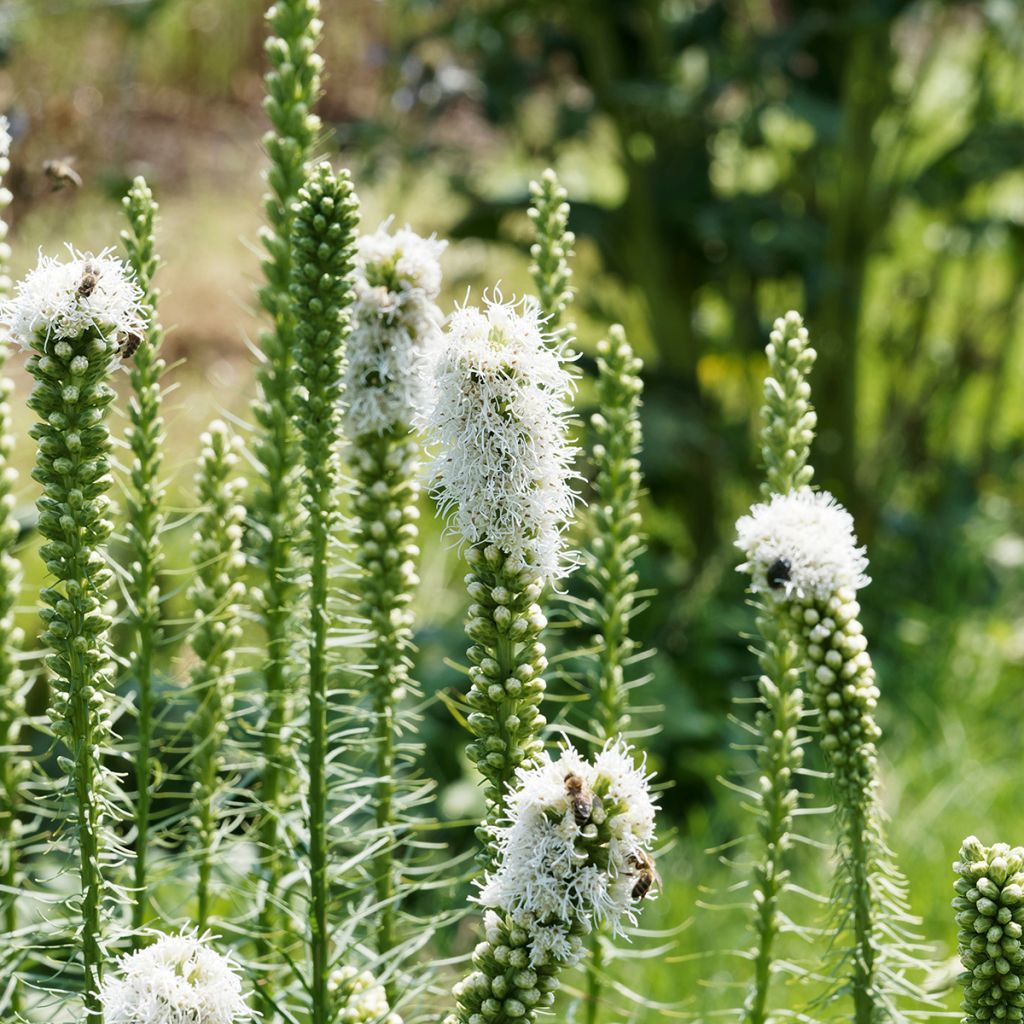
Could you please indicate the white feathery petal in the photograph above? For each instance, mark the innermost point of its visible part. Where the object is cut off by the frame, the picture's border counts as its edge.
(502, 463)
(547, 879)
(180, 979)
(5, 137)
(51, 303)
(396, 329)
(801, 544)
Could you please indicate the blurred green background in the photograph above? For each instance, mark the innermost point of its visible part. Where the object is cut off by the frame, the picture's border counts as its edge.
(861, 161)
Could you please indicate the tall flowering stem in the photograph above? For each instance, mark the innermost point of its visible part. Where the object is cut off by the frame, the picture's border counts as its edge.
(215, 595)
(12, 681)
(293, 87)
(990, 917)
(145, 517)
(323, 258)
(573, 853)
(801, 552)
(396, 330)
(552, 250)
(73, 317)
(786, 436)
(501, 471)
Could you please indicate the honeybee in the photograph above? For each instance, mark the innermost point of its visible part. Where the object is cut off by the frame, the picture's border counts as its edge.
(90, 278)
(778, 573)
(130, 344)
(582, 799)
(647, 876)
(61, 173)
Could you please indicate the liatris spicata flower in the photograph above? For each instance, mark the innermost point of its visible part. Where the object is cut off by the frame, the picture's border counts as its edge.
(552, 250)
(12, 680)
(786, 435)
(990, 917)
(216, 595)
(74, 317)
(323, 258)
(144, 520)
(359, 999)
(293, 87)
(801, 552)
(501, 471)
(573, 853)
(395, 334)
(179, 979)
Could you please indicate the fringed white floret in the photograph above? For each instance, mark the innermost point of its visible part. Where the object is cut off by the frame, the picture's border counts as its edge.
(51, 302)
(396, 330)
(502, 466)
(180, 979)
(801, 544)
(548, 879)
(365, 1001)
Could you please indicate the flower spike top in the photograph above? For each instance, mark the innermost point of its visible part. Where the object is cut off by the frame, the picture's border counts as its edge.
(180, 979)
(502, 466)
(574, 849)
(396, 329)
(65, 299)
(801, 544)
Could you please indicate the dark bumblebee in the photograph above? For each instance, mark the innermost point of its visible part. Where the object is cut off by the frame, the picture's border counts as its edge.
(779, 573)
(130, 343)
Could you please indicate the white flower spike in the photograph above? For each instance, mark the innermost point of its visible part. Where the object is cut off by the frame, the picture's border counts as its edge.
(574, 850)
(502, 466)
(801, 544)
(180, 979)
(396, 331)
(64, 299)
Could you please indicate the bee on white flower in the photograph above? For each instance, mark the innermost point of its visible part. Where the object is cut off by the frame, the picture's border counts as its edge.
(574, 847)
(60, 300)
(801, 544)
(502, 463)
(180, 979)
(396, 328)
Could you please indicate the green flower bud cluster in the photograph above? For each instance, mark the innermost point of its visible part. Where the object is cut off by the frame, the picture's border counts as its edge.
(323, 259)
(552, 250)
(615, 541)
(144, 521)
(990, 917)
(71, 397)
(789, 418)
(505, 986)
(842, 688)
(385, 504)
(216, 595)
(507, 662)
(293, 87)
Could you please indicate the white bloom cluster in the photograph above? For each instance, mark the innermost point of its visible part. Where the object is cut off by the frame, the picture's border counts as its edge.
(366, 1002)
(180, 979)
(396, 329)
(5, 138)
(801, 544)
(574, 849)
(502, 464)
(64, 299)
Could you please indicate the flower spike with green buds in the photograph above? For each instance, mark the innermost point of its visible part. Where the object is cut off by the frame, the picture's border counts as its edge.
(179, 979)
(12, 680)
(395, 333)
(802, 554)
(360, 999)
(501, 471)
(323, 259)
(215, 594)
(74, 317)
(551, 252)
(573, 853)
(990, 916)
(144, 521)
(293, 87)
